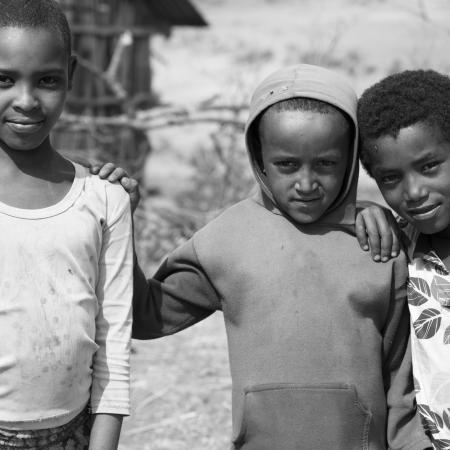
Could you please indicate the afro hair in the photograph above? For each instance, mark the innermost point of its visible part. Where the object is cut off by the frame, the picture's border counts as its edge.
(401, 100)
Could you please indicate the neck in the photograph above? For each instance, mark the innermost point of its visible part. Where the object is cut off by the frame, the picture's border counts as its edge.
(441, 245)
(442, 235)
(35, 162)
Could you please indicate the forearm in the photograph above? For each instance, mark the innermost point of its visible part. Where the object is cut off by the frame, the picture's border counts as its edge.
(105, 431)
(111, 363)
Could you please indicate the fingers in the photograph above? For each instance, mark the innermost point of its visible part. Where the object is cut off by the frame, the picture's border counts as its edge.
(377, 228)
(131, 186)
(382, 238)
(372, 230)
(396, 245)
(361, 234)
(112, 173)
(396, 241)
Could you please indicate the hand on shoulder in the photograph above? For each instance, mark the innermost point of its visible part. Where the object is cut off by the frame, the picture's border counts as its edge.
(377, 230)
(116, 174)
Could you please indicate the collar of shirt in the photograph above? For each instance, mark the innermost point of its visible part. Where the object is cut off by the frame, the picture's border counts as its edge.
(431, 257)
(440, 284)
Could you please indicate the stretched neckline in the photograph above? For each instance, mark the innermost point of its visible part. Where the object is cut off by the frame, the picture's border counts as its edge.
(53, 210)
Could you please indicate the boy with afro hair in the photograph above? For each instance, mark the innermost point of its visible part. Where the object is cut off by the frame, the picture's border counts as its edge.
(404, 125)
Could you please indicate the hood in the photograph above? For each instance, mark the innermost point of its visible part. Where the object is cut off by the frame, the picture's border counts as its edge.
(314, 82)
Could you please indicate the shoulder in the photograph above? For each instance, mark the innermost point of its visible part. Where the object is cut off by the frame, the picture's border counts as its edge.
(110, 197)
(409, 236)
(233, 219)
(227, 233)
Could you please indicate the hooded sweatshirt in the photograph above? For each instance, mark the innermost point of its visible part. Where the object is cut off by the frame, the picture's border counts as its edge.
(317, 332)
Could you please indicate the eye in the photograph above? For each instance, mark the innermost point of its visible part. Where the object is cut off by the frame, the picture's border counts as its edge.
(430, 167)
(286, 165)
(49, 82)
(388, 179)
(5, 81)
(326, 163)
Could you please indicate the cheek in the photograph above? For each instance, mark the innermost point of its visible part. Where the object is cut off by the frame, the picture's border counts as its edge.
(280, 187)
(393, 197)
(55, 101)
(333, 183)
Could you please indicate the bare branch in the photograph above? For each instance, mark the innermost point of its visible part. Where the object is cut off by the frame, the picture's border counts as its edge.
(158, 118)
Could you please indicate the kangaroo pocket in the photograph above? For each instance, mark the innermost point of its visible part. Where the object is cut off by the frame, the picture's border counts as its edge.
(292, 417)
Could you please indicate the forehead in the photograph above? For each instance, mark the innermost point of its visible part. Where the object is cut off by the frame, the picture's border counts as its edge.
(314, 130)
(30, 45)
(412, 144)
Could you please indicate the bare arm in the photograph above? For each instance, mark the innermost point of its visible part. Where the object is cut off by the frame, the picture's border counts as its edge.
(105, 432)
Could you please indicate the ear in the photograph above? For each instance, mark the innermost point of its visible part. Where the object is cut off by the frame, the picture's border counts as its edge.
(72, 65)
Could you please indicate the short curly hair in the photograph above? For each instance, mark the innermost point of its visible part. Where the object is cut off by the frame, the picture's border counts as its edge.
(402, 100)
(46, 14)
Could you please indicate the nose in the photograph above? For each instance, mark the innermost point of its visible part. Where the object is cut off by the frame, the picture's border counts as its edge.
(306, 182)
(26, 99)
(415, 190)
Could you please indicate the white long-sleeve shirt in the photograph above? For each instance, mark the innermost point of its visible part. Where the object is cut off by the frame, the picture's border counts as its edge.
(65, 306)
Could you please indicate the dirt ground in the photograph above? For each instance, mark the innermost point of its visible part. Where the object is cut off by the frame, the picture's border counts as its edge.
(181, 384)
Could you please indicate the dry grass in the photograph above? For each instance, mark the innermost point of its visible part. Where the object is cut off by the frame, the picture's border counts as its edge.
(180, 391)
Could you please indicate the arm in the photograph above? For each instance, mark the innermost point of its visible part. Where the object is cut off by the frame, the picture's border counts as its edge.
(179, 295)
(404, 427)
(105, 432)
(111, 371)
(377, 226)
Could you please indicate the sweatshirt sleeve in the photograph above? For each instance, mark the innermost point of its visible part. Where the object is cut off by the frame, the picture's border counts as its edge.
(404, 427)
(110, 391)
(179, 295)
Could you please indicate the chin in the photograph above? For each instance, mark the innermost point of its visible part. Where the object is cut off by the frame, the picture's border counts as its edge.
(26, 146)
(303, 219)
(430, 228)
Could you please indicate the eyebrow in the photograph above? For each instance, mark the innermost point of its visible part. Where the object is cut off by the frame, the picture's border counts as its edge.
(383, 170)
(426, 156)
(329, 153)
(430, 154)
(57, 70)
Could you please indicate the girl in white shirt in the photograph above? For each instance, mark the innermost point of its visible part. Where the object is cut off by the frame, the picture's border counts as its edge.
(66, 262)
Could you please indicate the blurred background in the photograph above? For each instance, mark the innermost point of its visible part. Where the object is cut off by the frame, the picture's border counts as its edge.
(162, 90)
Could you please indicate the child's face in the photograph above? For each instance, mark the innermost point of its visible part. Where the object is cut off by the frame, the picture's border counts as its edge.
(35, 74)
(305, 157)
(413, 174)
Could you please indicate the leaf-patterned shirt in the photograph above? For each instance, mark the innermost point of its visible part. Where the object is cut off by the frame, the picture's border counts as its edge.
(429, 306)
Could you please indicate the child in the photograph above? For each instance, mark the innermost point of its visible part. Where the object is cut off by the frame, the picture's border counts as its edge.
(317, 332)
(404, 123)
(66, 265)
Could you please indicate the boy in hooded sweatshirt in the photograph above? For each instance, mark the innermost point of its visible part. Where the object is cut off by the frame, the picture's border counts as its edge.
(317, 332)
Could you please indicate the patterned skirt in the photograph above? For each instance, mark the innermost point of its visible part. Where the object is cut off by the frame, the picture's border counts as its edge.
(71, 436)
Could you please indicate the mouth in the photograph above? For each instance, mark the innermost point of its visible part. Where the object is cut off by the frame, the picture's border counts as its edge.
(424, 212)
(306, 201)
(25, 126)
